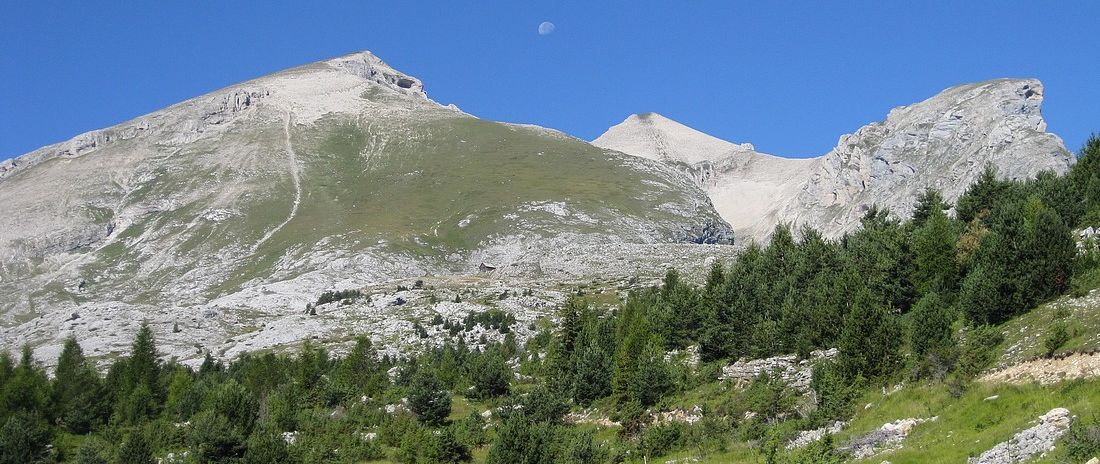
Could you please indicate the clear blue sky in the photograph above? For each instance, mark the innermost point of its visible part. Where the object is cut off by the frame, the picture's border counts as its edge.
(790, 77)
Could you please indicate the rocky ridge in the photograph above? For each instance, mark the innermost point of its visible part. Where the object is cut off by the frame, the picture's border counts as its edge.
(943, 142)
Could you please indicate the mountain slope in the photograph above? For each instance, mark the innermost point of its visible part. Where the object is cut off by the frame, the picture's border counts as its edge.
(944, 142)
(260, 195)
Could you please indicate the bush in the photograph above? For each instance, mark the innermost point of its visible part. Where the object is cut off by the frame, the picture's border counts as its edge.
(976, 350)
(489, 375)
(578, 447)
(444, 448)
(1083, 440)
(659, 440)
(23, 438)
(428, 400)
(1056, 338)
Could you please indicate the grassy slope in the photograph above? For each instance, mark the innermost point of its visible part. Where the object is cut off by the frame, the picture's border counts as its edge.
(967, 425)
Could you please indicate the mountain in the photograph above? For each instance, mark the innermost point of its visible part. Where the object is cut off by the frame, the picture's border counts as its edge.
(944, 142)
(244, 204)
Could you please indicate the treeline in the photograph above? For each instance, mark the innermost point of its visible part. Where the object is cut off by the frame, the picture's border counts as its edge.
(914, 298)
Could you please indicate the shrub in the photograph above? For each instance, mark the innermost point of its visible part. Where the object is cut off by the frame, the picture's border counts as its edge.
(1056, 338)
(658, 441)
(1083, 440)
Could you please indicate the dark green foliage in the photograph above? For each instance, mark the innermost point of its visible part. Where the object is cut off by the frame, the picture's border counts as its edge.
(976, 349)
(659, 440)
(342, 295)
(869, 345)
(578, 447)
(76, 390)
(91, 451)
(982, 196)
(444, 448)
(135, 450)
(521, 440)
(770, 398)
(652, 379)
(213, 438)
(23, 438)
(144, 363)
(266, 446)
(930, 332)
(493, 319)
(489, 374)
(934, 266)
(428, 399)
(27, 388)
(980, 297)
(1055, 338)
(835, 393)
(1083, 440)
(470, 430)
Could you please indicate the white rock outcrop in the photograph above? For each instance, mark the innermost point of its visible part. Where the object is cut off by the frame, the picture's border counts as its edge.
(944, 142)
(1031, 442)
(789, 368)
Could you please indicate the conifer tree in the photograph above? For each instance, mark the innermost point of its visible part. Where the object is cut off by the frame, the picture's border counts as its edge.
(135, 449)
(869, 345)
(76, 389)
(427, 398)
(934, 254)
(144, 361)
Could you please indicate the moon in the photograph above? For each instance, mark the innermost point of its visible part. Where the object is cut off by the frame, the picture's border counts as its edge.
(546, 28)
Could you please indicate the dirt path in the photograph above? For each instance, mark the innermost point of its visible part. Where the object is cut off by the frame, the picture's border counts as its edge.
(1048, 371)
(293, 158)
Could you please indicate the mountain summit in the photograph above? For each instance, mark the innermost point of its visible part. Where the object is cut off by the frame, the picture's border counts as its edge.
(944, 142)
(253, 199)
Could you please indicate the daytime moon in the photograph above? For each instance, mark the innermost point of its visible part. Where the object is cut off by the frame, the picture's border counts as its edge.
(546, 27)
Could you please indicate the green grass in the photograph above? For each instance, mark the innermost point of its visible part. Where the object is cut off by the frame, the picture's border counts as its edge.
(1024, 334)
(969, 425)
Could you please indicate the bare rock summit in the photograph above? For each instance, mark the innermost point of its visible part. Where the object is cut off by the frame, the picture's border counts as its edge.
(944, 142)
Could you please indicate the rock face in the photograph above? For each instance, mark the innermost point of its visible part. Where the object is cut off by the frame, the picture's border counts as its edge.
(238, 207)
(888, 437)
(944, 142)
(1031, 442)
(793, 371)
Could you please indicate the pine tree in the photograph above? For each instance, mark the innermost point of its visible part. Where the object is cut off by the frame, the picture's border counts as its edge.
(427, 398)
(444, 448)
(869, 345)
(653, 379)
(982, 196)
(934, 254)
(928, 203)
(930, 334)
(489, 374)
(1051, 252)
(27, 389)
(592, 374)
(144, 362)
(979, 297)
(23, 438)
(76, 389)
(267, 446)
(135, 450)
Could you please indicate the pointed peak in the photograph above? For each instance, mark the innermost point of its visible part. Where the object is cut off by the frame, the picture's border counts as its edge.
(369, 66)
(655, 136)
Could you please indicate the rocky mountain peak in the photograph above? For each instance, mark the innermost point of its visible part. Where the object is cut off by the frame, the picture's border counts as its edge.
(366, 65)
(943, 142)
(654, 136)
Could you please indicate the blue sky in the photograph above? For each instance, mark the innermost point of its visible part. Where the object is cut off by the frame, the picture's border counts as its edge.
(790, 77)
